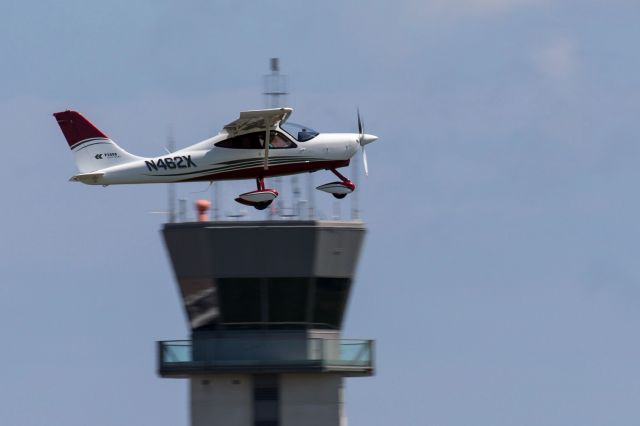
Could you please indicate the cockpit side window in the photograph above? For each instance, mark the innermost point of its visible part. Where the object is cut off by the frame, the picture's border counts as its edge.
(279, 141)
(255, 140)
(298, 132)
(246, 141)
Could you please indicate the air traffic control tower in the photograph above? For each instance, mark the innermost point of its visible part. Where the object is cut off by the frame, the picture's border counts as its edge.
(265, 301)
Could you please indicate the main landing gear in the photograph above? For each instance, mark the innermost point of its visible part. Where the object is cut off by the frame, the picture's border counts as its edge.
(263, 197)
(260, 198)
(338, 189)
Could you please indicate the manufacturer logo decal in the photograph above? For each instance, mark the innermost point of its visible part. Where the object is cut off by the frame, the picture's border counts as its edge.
(106, 155)
(182, 162)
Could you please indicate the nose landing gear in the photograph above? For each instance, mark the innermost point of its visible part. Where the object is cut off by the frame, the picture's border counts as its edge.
(260, 198)
(338, 189)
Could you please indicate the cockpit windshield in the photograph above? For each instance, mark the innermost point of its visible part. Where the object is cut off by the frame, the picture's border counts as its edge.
(298, 132)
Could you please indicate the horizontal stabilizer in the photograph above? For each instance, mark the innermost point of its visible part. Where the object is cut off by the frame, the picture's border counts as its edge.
(88, 178)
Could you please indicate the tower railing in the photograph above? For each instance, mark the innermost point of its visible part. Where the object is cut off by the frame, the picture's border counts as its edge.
(349, 356)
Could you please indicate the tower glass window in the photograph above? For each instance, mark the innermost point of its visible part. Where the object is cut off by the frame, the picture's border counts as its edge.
(330, 300)
(288, 299)
(280, 302)
(240, 299)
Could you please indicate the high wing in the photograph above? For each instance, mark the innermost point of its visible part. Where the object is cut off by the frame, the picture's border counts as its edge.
(257, 120)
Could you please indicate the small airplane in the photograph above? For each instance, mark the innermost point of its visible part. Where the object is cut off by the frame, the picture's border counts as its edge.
(259, 144)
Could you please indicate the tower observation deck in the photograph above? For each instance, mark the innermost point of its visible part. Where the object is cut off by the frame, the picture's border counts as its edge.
(265, 302)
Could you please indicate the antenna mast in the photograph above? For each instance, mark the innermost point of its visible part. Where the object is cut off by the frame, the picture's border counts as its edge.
(275, 85)
(171, 189)
(275, 93)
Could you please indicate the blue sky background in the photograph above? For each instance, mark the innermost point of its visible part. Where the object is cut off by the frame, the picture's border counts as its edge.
(500, 275)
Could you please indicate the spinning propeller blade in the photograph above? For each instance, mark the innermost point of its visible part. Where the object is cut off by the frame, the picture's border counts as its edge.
(364, 161)
(360, 141)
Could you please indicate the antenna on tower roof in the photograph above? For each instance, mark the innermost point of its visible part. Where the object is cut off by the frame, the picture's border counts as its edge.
(275, 85)
(275, 92)
(171, 189)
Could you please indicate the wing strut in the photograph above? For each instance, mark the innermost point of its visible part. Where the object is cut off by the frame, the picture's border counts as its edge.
(267, 141)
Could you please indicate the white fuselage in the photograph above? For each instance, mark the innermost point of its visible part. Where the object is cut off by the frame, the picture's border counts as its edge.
(206, 162)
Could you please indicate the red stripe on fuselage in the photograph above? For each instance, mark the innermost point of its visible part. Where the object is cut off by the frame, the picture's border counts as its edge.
(273, 170)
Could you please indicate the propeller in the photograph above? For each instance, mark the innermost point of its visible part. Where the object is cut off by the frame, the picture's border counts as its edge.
(360, 141)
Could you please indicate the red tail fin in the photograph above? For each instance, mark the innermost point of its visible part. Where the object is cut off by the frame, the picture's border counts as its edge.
(76, 128)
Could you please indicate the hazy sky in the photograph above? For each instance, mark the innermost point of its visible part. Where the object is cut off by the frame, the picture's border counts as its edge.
(500, 275)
